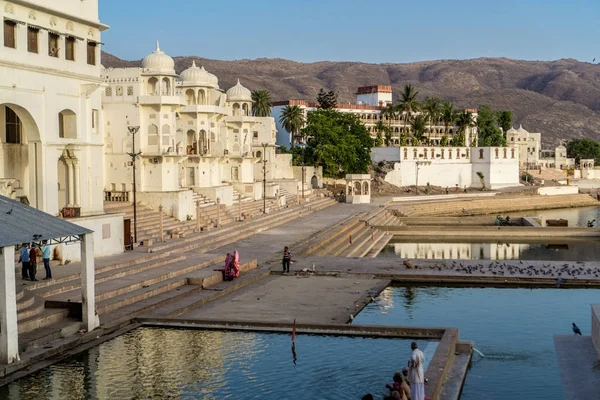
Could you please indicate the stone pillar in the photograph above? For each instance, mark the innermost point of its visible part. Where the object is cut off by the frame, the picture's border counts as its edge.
(70, 178)
(77, 184)
(90, 320)
(198, 216)
(218, 212)
(161, 234)
(9, 334)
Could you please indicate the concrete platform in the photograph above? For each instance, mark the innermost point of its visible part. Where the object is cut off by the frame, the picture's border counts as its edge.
(579, 367)
(310, 300)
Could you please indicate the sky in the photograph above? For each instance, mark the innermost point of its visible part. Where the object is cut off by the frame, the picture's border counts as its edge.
(375, 31)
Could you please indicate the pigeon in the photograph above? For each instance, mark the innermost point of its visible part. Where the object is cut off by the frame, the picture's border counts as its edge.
(407, 264)
(9, 211)
(465, 212)
(576, 329)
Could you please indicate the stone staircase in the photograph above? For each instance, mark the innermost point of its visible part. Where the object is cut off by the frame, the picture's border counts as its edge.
(494, 205)
(144, 279)
(290, 198)
(237, 195)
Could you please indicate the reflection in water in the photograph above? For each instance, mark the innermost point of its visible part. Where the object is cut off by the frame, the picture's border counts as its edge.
(588, 251)
(188, 364)
(514, 328)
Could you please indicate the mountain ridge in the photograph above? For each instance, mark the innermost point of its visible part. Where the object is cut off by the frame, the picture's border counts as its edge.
(560, 99)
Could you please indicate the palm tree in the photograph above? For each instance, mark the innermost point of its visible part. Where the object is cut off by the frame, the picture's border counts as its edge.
(261, 103)
(389, 111)
(380, 128)
(418, 124)
(408, 103)
(448, 115)
(292, 119)
(464, 122)
(433, 110)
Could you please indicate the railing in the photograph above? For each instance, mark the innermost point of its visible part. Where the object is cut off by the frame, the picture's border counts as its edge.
(116, 196)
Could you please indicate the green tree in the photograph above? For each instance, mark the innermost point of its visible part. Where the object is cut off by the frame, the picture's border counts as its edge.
(327, 100)
(504, 119)
(380, 128)
(408, 103)
(389, 111)
(449, 116)
(489, 133)
(433, 111)
(444, 141)
(418, 125)
(481, 179)
(261, 103)
(388, 138)
(292, 119)
(582, 149)
(339, 142)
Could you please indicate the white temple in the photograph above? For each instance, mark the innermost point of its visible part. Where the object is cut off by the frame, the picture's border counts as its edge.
(195, 139)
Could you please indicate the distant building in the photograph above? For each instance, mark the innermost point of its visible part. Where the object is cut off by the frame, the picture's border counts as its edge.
(450, 167)
(370, 102)
(531, 155)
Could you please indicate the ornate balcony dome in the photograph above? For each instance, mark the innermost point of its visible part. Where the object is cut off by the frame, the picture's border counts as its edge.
(194, 76)
(158, 62)
(239, 93)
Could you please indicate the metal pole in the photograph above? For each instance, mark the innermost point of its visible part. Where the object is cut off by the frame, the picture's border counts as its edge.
(133, 130)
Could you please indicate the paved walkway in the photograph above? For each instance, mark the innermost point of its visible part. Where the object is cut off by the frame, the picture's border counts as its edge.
(579, 366)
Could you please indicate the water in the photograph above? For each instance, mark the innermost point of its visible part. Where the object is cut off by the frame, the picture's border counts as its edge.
(583, 250)
(577, 217)
(161, 364)
(513, 328)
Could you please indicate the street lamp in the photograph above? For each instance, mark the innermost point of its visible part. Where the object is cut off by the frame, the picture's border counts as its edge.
(264, 161)
(133, 130)
(417, 165)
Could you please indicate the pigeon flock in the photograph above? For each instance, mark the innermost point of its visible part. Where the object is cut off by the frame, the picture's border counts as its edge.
(498, 268)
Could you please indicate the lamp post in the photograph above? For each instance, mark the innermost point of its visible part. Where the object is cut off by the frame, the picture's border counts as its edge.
(133, 130)
(264, 161)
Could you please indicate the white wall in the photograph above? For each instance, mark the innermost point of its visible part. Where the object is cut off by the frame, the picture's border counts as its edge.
(176, 204)
(108, 237)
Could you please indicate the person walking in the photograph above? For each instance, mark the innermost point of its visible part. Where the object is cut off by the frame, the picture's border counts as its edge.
(32, 262)
(416, 376)
(46, 250)
(24, 260)
(287, 257)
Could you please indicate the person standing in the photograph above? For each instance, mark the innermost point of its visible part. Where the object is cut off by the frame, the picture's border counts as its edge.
(46, 250)
(24, 260)
(32, 262)
(416, 376)
(287, 257)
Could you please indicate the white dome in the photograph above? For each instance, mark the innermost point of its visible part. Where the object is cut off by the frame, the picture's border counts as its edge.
(239, 93)
(521, 129)
(512, 130)
(159, 62)
(199, 77)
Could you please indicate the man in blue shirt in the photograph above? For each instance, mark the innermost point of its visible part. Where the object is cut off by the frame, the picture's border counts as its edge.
(46, 250)
(24, 259)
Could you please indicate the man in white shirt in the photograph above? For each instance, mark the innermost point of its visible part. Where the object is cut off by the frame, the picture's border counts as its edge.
(416, 376)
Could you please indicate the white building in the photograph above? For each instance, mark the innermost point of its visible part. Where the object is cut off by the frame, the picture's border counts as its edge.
(450, 166)
(50, 105)
(193, 138)
(370, 102)
(532, 156)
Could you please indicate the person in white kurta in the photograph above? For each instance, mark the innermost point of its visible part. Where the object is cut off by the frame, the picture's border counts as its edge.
(416, 376)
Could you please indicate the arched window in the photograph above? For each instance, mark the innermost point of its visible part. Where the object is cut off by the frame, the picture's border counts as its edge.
(246, 109)
(153, 135)
(166, 87)
(405, 153)
(201, 97)
(236, 109)
(151, 89)
(357, 187)
(259, 155)
(119, 90)
(166, 135)
(13, 127)
(497, 150)
(190, 97)
(67, 124)
(365, 188)
(481, 154)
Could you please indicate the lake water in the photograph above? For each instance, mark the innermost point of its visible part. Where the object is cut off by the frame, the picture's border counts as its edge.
(151, 363)
(577, 217)
(513, 328)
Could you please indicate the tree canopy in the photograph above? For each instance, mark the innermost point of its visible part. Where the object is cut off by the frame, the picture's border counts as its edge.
(504, 119)
(292, 119)
(261, 103)
(339, 142)
(489, 133)
(582, 149)
(327, 100)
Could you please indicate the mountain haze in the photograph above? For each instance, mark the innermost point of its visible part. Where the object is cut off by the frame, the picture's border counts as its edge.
(560, 99)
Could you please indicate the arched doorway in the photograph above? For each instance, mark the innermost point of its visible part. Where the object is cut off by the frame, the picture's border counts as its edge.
(314, 182)
(20, 155)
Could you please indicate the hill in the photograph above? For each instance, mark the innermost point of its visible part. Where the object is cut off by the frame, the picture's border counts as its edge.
(559, 98)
